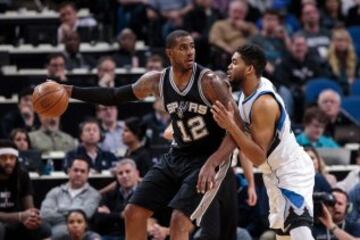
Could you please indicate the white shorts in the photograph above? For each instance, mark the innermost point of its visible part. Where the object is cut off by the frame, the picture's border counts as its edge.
(290, 189)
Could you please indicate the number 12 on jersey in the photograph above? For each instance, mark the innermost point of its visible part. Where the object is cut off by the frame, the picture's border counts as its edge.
(193, 129)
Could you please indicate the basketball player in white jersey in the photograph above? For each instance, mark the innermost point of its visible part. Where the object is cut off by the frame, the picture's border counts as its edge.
(266, 138)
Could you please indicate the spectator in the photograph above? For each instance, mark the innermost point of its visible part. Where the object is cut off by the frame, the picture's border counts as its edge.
(21, 139)
(294, 71)
(97, 158)
(77, 226)
(333, 223)
(23, 116)
(233, 32)
(106, 68)
(70, 21)
(133, 137)
(323, 180)
(171, 11)
(317, 38)
(354, 195)
(75, 194)
(342, 58)
(198, 22)
(131, 14)
(353, 15)
(108, 219)
(49, 137)
(332, 16)
(127, 56)
(314, 123)
(56, 67)
(154, 63)
(273, 38)
(156, 123)
(329, 102)
(112, 129)
(18, 217)
(73, 57)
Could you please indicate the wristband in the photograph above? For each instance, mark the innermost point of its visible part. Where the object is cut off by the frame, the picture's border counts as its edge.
(333, 228)
(19, 216)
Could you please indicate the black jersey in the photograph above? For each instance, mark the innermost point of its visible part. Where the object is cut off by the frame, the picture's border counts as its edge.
(195, 131)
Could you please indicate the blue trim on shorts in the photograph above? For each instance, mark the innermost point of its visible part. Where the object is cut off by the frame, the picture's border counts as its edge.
(293, 197)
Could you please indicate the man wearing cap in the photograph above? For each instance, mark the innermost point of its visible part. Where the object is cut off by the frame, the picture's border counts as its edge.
(18, 217)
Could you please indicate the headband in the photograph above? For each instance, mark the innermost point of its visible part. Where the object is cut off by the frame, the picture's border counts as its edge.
(9, 151)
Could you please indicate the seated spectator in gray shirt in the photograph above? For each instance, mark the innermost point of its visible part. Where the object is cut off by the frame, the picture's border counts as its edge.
(75, 194)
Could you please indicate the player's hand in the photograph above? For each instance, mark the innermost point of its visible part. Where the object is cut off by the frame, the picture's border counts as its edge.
(326, 217)
(252, 196)
(223, 116)
(206, 179)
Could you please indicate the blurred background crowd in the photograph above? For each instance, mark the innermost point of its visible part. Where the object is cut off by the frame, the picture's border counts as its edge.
(313, 51)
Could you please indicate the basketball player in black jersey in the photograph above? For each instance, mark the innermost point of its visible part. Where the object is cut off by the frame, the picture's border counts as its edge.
(187, 90)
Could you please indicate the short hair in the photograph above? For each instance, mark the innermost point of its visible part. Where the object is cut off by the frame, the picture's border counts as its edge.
(88, 121)
(79, 158)
(155, 58)
(126, 161)
(253, 55)
(55, 55)
(104, 59)
(173, 36)
(329, 90)
(80, 211)
(20, 130)
(67, 4)
(5, 143)
(25, 92)
(339, 190)
(315, 113)
(136, 126)
(273, 12)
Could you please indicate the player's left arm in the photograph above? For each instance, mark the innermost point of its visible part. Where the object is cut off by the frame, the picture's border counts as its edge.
(214, 90)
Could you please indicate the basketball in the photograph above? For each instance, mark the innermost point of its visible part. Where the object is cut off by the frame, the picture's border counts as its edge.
(50, 99)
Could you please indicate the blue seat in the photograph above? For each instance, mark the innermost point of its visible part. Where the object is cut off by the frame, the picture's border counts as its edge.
(315, 86)
(350, 106)
(355, 88)
(355, 35)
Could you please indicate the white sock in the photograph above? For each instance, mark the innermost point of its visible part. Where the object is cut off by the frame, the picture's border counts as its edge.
(301, 233)
(282, 237)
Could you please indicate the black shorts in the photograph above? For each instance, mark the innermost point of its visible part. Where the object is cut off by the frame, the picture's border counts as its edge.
(171, 182)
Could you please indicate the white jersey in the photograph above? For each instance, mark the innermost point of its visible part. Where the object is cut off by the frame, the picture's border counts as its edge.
(288, 172)
(284, 143)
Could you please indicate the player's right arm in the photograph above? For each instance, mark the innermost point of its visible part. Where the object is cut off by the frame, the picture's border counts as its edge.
(146, 85)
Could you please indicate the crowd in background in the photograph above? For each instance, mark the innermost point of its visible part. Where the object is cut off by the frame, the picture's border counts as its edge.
(303, 40)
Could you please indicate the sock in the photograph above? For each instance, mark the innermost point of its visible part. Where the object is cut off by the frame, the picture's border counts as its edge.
(301, 233)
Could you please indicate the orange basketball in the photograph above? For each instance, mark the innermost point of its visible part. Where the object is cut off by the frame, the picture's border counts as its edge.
(50, 99)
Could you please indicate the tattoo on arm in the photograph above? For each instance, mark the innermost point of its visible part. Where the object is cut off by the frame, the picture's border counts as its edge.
(147, 85)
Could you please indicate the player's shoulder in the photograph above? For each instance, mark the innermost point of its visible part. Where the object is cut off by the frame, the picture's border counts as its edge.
(153, 75)
(265, 103)
(211, 79)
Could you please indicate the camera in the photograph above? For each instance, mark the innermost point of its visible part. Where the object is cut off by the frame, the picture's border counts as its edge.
(322, 198)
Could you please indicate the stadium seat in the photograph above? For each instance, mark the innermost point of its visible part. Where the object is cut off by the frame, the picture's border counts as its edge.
(355, 88)
(355, 35)
(350, 106)
(315, 86)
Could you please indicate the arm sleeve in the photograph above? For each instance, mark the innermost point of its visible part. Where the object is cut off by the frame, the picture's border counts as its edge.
(104, 96)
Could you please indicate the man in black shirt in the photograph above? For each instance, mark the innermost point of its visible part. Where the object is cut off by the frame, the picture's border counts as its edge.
(18, 217)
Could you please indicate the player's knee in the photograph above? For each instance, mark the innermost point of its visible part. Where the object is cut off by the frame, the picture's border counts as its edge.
(136, 213)
(180, 222)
